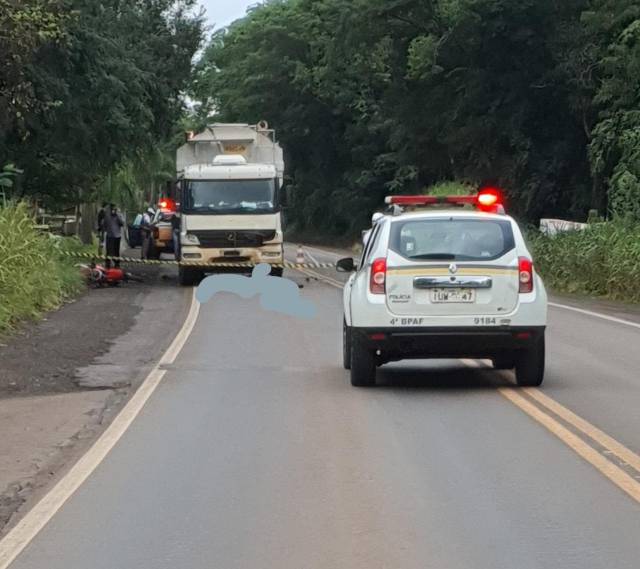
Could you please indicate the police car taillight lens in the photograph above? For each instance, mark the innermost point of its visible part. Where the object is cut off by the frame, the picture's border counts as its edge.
(526, 275)
(378, 276)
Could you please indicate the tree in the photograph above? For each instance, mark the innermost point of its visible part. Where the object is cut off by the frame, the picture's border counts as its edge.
(106, 96)
(379, 96)
(615, 148)
(25, 26)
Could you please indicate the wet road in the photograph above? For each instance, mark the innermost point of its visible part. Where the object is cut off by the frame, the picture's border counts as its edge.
(255, 452)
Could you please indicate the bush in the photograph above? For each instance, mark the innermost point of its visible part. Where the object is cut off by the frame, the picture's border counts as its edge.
(451, 189)
(603, 260)
(35, 275)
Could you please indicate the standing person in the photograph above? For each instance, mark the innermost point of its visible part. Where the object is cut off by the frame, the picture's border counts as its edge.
(113, 224)
(176, 227)
(101, 216)
(147, 232)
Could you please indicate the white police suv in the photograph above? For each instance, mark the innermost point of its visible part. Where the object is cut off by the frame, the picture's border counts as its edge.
(445, 278)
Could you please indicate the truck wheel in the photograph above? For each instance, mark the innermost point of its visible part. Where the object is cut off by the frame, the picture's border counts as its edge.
(277, 272)
(187, 277)
(504, 361)
(363, 364)
(346, 345)
(530, 364)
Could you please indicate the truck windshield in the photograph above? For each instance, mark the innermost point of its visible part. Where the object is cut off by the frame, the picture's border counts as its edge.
(222, 197)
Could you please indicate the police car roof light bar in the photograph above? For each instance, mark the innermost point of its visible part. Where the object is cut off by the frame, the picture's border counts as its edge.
(487, 199)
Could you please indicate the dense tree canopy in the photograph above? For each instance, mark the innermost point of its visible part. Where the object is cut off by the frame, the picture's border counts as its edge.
(378, 96)
(89, 88)
(368, 97)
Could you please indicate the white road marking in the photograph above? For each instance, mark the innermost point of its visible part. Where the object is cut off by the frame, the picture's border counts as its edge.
(28, 528)
(324, 252)
(313, 259)
(596, 315)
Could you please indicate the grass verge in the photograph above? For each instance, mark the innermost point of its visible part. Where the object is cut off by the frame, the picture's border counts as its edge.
(603, 260)
(35, 276)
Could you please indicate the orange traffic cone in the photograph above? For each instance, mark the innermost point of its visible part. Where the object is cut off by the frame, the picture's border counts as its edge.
(300, 258)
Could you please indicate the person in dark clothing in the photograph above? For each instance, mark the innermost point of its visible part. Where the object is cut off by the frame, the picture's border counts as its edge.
(176, 226)
(101, 215)
(113, 224)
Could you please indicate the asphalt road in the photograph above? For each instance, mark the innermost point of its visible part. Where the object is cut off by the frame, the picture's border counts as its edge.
(255, 452)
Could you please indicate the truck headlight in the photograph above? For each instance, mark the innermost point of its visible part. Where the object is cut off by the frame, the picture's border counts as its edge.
(190, 239)
(276, 240)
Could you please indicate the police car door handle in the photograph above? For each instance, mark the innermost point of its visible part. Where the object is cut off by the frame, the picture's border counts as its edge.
(452, 282)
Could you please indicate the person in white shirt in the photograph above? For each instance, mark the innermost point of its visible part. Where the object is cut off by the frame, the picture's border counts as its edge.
(147, 232)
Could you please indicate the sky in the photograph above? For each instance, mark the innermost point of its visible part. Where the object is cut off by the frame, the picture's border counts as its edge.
(223, 12)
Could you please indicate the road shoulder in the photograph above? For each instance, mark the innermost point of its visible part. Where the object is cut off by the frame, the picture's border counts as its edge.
(65, 378)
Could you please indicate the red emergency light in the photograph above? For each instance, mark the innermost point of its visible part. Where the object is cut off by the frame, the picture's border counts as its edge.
(490, 197)
(167, 205)
(487, 199)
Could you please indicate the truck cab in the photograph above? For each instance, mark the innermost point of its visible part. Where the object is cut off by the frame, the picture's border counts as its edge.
(230, 184)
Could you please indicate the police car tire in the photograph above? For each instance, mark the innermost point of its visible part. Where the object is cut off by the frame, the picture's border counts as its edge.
(346, 345)
(363, 364)
(530, 364)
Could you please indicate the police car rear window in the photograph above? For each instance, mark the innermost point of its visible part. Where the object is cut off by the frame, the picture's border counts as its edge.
(452, 239)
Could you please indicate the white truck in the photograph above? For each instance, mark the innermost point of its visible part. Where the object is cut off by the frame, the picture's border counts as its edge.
(229, 186)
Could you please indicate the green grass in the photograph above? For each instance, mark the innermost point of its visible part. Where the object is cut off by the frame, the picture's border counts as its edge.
(603, 260)
(35, 276)
(451, 189)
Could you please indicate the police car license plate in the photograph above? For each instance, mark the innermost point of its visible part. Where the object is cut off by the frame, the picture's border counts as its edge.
(453, 295)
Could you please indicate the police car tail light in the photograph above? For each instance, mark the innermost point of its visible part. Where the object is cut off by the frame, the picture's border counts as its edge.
(377, 284)
(525, 271)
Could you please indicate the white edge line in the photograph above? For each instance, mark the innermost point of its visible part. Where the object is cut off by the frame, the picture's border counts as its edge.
(596, 315)
(28, 528)
(313, 259)
(324, 251)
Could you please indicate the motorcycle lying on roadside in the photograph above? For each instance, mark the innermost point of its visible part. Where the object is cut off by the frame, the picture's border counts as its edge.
(99, 276)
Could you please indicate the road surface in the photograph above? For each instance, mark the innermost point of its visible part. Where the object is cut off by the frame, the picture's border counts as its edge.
(255, 452)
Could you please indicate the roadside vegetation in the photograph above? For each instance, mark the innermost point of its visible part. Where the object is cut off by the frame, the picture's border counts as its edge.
(91, 97)
(91, 104)
(603, 260)
(372, 97)
(35, 274)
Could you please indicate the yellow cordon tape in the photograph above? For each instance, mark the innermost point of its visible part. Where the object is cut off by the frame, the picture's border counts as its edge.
(129, 260)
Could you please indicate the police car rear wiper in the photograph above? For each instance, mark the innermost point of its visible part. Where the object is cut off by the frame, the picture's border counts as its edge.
(435, 257)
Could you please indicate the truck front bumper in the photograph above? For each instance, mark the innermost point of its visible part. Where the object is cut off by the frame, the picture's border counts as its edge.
(271, 254)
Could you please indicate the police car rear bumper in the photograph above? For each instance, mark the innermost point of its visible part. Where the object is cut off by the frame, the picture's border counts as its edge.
(475, 342)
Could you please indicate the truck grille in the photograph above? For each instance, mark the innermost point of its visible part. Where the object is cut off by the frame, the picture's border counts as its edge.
(218, 239)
